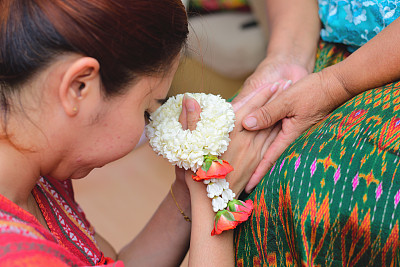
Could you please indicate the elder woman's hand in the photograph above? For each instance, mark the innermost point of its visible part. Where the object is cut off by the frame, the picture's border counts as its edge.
(298, 108)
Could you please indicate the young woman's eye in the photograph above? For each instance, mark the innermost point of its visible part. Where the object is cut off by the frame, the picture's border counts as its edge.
(147, 117)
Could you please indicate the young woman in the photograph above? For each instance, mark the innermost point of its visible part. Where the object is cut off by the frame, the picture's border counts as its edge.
(77, 79)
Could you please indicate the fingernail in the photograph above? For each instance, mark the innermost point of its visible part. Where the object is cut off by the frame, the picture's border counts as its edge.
(251, 122)
(274, 87)
(288, 83)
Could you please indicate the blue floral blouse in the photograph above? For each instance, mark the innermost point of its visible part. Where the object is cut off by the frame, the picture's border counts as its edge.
(355, 22)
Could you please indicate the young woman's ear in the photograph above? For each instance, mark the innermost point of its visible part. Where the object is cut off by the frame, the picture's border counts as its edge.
(80, 79)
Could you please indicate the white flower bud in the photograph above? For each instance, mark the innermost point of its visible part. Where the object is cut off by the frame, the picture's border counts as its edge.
(222, 182)
(218, 204)
(227, 195)
(214, 190)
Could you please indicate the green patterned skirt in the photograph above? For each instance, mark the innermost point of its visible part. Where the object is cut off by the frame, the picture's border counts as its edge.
(332, 198)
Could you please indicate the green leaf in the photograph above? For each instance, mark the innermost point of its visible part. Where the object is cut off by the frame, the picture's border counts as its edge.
(229, 216)
(206, 165)
(208, 160)
(231, 206)
(233, 202)
(218, 215)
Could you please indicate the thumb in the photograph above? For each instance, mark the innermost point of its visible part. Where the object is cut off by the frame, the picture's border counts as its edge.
(190, 114)
(267, 115)
(193, 111)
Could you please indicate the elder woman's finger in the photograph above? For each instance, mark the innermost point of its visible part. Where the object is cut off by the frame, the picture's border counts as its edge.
(265, 137)
(270, 113)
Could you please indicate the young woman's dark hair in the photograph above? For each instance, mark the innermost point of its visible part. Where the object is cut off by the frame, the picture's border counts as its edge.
(129, 38)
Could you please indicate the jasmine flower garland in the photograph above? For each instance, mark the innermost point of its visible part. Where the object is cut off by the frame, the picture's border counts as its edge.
(186, 148)
(199, 149)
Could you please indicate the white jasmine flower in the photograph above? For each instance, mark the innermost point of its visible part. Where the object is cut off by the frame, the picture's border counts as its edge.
(227, 195)
(223, 183)
(219, 204)
(186, 148)
(214, 190)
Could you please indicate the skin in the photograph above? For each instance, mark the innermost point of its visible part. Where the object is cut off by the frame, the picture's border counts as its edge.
(244, 153)
(291, 55)
(95, 131)
(71, 128)
(294, 28)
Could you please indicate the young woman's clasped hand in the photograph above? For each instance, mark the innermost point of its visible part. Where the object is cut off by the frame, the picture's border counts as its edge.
(244, 153)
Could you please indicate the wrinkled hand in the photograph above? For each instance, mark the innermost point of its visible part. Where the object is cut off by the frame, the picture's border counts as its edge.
(298, 108)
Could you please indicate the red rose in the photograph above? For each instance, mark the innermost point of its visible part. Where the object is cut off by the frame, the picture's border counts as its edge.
(240, 206)
(224, 220)
(217, 170)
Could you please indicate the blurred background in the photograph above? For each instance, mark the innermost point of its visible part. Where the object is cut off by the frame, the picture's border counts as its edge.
(227, 41)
